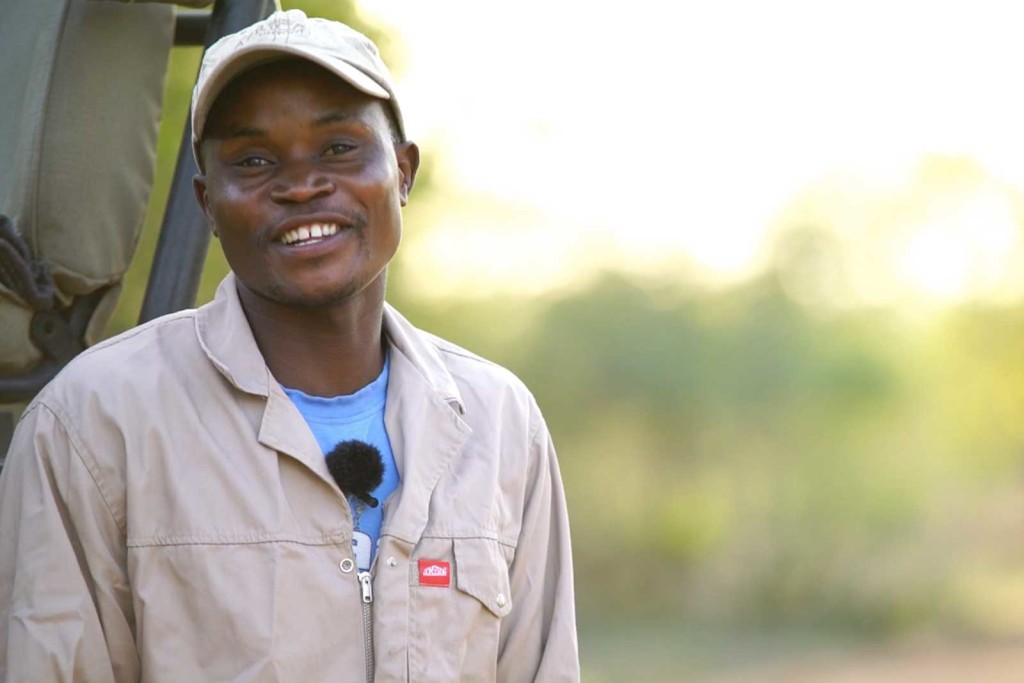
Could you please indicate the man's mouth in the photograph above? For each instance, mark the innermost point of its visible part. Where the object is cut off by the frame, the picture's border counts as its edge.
(307, 234)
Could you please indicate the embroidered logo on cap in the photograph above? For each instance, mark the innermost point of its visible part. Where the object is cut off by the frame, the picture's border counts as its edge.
(435, 573)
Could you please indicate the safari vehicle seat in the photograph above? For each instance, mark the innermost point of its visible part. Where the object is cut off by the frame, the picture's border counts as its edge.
(79, 115)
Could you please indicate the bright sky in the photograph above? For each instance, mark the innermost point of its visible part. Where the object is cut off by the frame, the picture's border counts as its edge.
(573, 135)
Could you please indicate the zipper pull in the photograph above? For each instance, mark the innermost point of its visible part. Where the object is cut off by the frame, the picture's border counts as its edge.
(366, 586)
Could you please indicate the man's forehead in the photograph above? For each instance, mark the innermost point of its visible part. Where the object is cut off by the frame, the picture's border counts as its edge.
(253, 91)
(289, 70)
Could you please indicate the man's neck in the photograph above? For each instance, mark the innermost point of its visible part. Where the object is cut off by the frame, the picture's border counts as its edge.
(323, 351)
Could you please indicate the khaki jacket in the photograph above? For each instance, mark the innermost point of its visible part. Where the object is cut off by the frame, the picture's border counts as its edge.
(166, 515)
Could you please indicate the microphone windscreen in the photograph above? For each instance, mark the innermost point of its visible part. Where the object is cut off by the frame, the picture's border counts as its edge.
(357, 468)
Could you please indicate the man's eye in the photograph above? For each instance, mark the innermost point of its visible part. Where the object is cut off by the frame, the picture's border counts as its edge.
(252, 162)
(339, 148)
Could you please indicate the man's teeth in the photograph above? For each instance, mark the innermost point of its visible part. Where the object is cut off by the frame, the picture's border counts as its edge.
(308, 232)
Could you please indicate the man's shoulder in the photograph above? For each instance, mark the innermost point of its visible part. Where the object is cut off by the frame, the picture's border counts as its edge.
(465, 364)
(458, 355)
(462, 365)
(485, 386)
(136, 355)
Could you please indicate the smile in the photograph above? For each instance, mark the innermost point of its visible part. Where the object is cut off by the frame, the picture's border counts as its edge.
(308, 234)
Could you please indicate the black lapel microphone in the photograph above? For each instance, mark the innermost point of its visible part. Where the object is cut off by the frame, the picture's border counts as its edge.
(357, 468)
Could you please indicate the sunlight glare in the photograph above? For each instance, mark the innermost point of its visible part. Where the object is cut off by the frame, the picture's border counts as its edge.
(645, 136)
(965, 249)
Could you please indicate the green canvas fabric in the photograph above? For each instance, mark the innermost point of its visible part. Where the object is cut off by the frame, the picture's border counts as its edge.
(82, 93)
(186, 3)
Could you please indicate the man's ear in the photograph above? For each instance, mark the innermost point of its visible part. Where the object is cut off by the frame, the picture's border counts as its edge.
(408, 155)
(199, 187)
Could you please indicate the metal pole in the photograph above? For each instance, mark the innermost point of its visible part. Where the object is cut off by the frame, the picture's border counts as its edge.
(184, 236)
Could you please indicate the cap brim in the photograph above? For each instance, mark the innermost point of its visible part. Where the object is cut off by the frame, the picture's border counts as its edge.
(247, 58)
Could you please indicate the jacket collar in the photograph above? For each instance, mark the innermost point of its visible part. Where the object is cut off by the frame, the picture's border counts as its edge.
(423, 414)
(422, 356)
(226, 338)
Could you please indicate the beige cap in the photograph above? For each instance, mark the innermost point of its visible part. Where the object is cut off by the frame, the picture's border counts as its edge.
(331, 44)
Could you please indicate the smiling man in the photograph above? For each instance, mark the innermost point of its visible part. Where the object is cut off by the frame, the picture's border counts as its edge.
(291, 483)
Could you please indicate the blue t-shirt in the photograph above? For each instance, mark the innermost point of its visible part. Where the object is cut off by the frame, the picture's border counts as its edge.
(357, 416)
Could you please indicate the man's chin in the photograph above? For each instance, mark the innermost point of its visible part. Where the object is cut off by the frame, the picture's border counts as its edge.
(312, 299)
(325, 296)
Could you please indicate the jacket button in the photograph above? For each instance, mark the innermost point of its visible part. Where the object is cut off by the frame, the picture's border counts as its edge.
(501, 600)
(346, 565)
(392, 562)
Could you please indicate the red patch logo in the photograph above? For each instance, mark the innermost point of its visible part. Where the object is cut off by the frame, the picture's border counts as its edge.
(435, 573)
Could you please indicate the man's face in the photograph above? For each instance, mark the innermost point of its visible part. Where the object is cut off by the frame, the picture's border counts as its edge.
(303, 184)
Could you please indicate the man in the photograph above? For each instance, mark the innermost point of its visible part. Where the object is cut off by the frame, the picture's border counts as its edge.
(166, 512)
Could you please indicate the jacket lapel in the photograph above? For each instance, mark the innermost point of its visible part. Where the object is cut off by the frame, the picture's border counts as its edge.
(227, 339)
(284, 430)
(423, 424)
(422, 415)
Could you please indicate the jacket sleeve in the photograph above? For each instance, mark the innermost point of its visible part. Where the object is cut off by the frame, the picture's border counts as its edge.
(65, 606)
(538, 638)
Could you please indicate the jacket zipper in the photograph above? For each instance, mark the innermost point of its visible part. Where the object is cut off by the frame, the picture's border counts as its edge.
(366, 589)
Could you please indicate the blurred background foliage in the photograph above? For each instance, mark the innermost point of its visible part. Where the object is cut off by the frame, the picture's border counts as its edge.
(804, 449)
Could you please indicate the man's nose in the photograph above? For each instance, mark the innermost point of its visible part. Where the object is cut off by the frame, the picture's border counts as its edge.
(301, 181)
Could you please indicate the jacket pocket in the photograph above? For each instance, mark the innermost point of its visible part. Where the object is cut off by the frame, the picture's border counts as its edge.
(480, 571)
(454, 629)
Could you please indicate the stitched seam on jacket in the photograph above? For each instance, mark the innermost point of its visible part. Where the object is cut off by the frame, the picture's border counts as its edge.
(469, 537)
(458, 352)
(537, 424)
(91, 466)
(169, 319)
(260, 539)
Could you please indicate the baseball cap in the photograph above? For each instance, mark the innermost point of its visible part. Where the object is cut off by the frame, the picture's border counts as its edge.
(338, 48)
